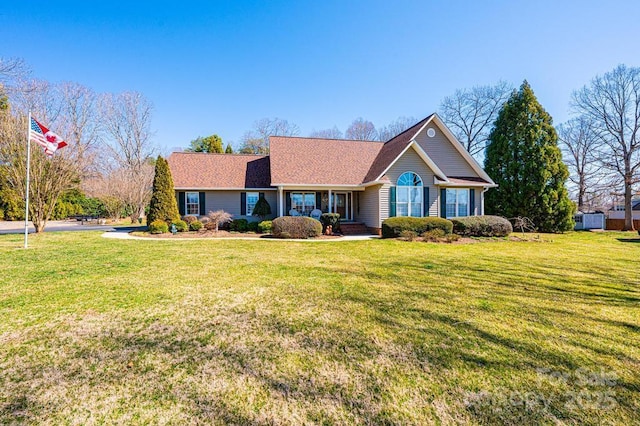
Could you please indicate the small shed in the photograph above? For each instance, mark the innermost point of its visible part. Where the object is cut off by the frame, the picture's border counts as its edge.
(585, 221)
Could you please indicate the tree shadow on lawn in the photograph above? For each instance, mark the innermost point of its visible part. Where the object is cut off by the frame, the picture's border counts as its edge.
(629, 240)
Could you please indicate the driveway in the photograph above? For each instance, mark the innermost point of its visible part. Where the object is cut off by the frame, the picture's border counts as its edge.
(54, 225)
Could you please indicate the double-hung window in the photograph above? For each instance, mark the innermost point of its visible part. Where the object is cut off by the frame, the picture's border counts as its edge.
(252, 199)
(193, 203)
(457, 202)
(409, 192)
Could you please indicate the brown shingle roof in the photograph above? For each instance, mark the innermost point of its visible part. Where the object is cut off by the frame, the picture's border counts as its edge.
(316, 161)
(391, 149)
(195, 170)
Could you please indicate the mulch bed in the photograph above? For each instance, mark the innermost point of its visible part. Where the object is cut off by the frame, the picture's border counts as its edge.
(221, 234)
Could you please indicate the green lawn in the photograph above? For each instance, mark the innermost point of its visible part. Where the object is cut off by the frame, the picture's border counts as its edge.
(366, 332)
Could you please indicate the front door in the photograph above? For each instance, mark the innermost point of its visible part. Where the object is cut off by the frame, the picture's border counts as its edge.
(341, 205)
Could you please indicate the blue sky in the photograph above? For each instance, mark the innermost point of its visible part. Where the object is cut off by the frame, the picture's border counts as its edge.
(216, 67)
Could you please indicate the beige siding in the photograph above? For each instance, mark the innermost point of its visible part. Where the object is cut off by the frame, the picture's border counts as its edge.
(229, 201)
(410, 162)
(444, 154)
(369, 209)
(384, 203)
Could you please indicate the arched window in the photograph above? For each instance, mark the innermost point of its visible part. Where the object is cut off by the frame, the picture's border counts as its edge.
(409, 195)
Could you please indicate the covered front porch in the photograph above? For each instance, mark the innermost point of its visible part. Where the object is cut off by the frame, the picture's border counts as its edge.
(303, 201)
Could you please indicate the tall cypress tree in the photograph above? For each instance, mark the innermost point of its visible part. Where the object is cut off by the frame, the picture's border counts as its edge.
(523, 158)
(163, 200)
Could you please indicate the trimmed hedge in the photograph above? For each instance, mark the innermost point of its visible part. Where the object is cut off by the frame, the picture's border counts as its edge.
(482, 226)
(195, 226)
(239, 225)
(181, 225)
(265, 226)
(299, 227)
(392, 227)
(158, 227)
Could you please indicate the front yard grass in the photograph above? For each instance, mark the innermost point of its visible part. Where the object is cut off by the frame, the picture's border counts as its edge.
(95, 330)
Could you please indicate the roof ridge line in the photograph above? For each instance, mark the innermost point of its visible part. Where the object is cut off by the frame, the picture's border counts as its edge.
(414, 125)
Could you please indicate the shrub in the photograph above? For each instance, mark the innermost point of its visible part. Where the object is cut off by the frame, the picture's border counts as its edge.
(189, 219)
(299, 227)
(204, 219)
(239, 225)
(195, 226)
(181, 225)
(408, 235)
(219, 217)
(482, 226)
(332, 219)
(252, 226)
(158, 227)
(392, 227)
(433, 235)
(264, 227)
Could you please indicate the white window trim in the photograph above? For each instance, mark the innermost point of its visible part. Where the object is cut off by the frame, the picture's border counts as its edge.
(408, 203)
(250, 210)
(187, 203)
(456, 203)
(304, 194)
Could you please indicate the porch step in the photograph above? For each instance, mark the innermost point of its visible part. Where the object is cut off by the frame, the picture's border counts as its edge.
(354, 228)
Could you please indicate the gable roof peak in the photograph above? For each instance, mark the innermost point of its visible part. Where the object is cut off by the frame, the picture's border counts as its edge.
(415, 127)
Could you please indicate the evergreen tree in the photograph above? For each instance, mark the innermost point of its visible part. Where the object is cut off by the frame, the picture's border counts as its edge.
(163, 200)
(229, 149)
(210, 144)
(262, 208)
(523, 158)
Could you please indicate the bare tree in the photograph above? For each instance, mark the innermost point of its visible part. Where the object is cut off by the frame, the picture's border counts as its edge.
(612, 103)
(396, 127)
(49, 177)
(333, 133)
(361, 130)
(580, 144)
(470, 114)
(12, 68)
(256, 141)
(80, 123)
(127, 118)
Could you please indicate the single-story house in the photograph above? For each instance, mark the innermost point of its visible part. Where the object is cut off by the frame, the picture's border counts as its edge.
(617, 211)
(423, 171)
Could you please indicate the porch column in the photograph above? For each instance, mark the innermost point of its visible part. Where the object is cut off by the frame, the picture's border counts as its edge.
(330, 202)
(350, 198)
(280, 202)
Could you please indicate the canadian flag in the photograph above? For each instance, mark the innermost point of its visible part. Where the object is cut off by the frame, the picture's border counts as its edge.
(44, 137)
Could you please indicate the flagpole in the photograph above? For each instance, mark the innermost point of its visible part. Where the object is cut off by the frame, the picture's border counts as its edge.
(26, 208)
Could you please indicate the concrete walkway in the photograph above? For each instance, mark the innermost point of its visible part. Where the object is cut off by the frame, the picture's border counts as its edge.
(123, 234)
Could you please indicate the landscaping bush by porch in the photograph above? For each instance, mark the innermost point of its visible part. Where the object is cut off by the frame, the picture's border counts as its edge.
(330, 219)
(265, 226)
(392, 227)
(482, 226)
(181, 225)
(158, 227)
(299, 227)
